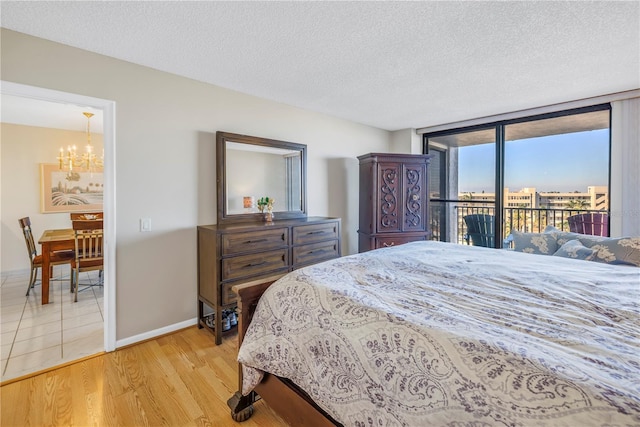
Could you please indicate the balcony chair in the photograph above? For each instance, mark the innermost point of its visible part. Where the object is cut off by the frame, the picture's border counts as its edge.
(594, 223)
(89, 238)
(57, 258)
(480, 230)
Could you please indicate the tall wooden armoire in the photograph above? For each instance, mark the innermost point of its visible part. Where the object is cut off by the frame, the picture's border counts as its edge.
(393, 200)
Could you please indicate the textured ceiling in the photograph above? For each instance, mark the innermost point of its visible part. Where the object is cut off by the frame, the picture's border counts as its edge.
(392, 65)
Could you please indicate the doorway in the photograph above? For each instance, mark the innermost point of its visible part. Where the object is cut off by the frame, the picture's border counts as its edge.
(107, 108)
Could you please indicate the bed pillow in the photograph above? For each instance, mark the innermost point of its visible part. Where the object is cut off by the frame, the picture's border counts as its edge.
(589, 240)
(562, 237)
(576, 250)
(551, 229)
(622, 250)
(534, 243)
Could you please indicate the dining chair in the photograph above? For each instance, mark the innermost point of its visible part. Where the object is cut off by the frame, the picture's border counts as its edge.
(84, 216)
(89, 244)
(57, 258)
(75, 216)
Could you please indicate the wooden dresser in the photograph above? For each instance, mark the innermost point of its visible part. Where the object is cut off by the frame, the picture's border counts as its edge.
(230, 254)
(393, 200)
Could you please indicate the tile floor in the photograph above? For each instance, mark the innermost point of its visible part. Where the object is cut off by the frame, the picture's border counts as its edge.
(36, 336)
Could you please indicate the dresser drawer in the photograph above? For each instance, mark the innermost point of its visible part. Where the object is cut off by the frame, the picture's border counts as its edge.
(304, 234)
(227, 296)
(384, 242)
(253, 241)
(315, 252)
(251, 265)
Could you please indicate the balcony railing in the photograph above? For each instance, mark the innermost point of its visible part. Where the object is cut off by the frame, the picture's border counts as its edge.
(447, 223)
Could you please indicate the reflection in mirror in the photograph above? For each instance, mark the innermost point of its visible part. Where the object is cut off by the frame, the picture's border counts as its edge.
(250, 168)
(254, 171)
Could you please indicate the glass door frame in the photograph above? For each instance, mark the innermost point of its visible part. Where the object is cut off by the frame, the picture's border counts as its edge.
(500, 143)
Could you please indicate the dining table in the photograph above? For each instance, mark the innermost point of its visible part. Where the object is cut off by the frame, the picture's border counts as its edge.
(52, 241)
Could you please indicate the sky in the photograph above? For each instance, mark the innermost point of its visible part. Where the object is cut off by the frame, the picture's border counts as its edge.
(568, 162)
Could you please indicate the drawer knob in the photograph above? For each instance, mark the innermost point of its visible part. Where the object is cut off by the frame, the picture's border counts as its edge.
(316, 232)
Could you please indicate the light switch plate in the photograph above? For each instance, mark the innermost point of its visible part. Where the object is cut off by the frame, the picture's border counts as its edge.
(145, 224)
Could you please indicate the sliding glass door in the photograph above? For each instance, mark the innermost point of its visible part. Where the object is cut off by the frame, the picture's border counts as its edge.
(518, 175)
(555, 168)
(467, 181)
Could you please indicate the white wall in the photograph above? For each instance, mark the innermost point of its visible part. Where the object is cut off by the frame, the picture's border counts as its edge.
(165, 165)
(23, 149)
(405, 141)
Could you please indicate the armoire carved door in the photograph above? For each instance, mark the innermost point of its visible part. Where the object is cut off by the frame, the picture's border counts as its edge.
(393, 200)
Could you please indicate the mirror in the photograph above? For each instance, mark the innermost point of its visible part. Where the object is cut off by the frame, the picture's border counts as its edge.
(249, 168)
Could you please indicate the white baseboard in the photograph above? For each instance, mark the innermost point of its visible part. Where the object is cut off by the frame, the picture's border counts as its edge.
(156, 332)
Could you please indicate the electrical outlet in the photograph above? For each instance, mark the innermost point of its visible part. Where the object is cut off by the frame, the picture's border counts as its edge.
(145, 224)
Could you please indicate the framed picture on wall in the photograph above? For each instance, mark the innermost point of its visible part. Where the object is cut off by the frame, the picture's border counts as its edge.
(64, 191)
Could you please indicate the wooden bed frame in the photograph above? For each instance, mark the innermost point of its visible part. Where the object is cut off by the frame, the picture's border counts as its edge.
(287, 400)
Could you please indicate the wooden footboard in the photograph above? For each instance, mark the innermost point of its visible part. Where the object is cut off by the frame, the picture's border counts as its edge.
(290, 403)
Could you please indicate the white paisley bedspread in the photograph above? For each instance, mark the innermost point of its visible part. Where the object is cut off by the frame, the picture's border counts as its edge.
(437, 334)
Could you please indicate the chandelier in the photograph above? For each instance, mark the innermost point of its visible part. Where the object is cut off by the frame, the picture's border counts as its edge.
(72, 161)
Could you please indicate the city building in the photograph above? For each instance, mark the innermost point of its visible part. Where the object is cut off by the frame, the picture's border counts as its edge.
(595, 198)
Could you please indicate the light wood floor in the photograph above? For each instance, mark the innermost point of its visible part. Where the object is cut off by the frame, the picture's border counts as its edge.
(181, 379)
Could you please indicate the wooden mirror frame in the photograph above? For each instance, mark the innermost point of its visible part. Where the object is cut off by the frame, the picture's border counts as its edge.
(221, 177)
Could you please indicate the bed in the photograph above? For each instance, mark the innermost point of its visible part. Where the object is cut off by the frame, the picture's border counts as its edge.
(438, 334)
